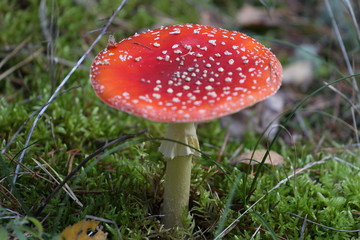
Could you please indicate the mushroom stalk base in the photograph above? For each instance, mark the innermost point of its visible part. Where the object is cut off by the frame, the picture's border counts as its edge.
(177, 189)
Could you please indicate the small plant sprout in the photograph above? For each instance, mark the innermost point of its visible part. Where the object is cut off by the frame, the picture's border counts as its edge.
(181, 75)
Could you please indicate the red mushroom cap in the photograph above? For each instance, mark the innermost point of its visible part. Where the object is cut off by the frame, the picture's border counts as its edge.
(185, 73)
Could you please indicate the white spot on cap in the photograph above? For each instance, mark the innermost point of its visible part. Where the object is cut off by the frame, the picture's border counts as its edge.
(251, 69)
(212, 94)
(170, 90)
(220, 69)
(156, 44)
(213, 42)
(176, 31)
(231, 61)
(175, 99)
(156, 95)
(123, 57)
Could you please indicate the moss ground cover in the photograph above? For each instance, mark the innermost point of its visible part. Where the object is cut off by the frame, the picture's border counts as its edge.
(41, 41)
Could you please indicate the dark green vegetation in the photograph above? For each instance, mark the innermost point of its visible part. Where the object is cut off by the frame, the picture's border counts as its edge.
(123, 184)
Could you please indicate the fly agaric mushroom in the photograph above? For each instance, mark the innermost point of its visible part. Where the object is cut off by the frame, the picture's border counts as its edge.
(180, 75)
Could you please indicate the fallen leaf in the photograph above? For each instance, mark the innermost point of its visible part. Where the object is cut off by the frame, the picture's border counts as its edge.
(299, 74)
(255, 16)
(273, 158)
(81, 230)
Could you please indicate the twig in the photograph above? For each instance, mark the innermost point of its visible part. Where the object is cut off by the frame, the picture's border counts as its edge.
(353, 17)
(66, 187)
(64, 81)
(256, 232)
(65, 62)
(20, 64)
(347, 163)
(14, 213)
(341, 44)
(14, 52)
(223, 146)
(97, 152)
(29, 118)
(234, 223)
(303, 227)
(44, 22)
(18, 131)
(318, 224)
(353, 105)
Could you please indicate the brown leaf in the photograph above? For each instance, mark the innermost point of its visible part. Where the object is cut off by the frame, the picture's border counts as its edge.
(273, 158)
(254, 16)
(79, 231)
(299, 74)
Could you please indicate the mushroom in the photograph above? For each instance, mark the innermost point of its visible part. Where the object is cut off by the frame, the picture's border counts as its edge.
(181, 75)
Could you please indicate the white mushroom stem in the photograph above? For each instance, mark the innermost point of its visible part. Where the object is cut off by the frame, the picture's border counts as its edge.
(178, 171)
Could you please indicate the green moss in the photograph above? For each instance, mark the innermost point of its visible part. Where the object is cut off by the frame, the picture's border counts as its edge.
(126, 186)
